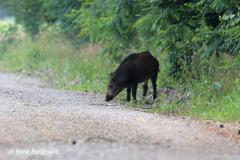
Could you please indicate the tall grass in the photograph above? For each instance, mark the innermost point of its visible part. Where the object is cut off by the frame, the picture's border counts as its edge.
(218, 97)
(214, 96)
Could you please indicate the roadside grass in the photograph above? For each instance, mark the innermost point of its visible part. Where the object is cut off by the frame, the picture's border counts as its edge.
(214, 97)
(56, 60)
(204, 104)
(218, 97)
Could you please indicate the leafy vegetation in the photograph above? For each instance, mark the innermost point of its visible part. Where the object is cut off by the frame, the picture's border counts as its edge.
(196, 41)
(189, 31)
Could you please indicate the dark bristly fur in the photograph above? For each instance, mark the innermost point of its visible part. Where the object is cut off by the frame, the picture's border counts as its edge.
(134, 69)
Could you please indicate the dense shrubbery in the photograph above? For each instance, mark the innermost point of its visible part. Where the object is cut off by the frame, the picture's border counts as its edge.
(188, 31)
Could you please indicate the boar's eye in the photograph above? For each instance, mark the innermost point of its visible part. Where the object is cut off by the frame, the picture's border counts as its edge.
(113, 77)
(112, 85)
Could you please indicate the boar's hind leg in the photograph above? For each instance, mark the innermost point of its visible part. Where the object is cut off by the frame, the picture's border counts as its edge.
(128, 93)
(145, 88)
(134, 90)
(154, 79)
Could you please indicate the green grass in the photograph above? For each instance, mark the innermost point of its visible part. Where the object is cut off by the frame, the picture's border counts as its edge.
(225, 108)
(214, 97)
(209, 104)
(7, 27)
(6, 22)
(57, 61)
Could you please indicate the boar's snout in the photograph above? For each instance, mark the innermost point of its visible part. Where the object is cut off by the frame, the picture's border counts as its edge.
(108, 98)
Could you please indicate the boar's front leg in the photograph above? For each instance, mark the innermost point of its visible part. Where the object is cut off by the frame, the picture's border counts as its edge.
(128, 94)
(154, 85)
(145, 88)
(134, 91)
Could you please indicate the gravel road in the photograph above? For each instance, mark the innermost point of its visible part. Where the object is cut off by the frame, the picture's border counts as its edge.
(39, 122)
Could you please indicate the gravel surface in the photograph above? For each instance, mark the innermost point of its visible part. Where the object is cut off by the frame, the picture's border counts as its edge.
(38, 122)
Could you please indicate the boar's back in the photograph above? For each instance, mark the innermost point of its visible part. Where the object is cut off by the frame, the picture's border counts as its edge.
(139, 66)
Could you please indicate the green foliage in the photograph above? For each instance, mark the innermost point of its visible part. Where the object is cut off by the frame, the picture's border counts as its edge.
(7, 28)
(190, 32)
(57, 12)
(26, 12)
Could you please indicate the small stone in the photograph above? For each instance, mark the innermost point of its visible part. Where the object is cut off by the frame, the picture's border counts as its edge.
(221, 126)
(207, 122)
(74, 142)
(239, 132)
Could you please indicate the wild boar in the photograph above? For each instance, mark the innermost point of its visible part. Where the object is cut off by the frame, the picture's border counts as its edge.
(134, 69)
